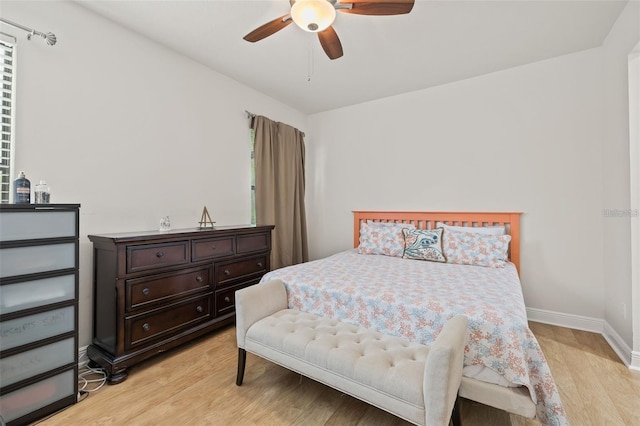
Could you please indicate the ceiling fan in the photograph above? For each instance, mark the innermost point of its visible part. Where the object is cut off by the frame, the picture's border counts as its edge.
(316, 16)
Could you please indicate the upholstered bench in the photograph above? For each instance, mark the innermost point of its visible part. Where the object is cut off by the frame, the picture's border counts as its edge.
(412, 381)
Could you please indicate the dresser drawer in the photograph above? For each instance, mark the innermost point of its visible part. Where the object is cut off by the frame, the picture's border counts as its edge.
(37, 361)
(212, 248)
(161, 323)
(226, 298)
(143, 291)
(17, 261)
(38, 395)
(150, 256)
(229, 271)
(254, 242)
(31, 294)
(31, 328)
(33, 225)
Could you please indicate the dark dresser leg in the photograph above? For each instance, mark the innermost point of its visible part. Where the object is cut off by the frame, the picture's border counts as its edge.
(242, 360)
(119, 377)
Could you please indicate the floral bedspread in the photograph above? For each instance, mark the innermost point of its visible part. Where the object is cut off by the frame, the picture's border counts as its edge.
(414, 298)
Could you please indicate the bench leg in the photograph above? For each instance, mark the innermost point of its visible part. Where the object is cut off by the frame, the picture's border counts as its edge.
(242, 361)
(456, 416)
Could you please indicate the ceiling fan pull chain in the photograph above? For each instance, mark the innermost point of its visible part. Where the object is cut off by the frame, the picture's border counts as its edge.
(310, 60)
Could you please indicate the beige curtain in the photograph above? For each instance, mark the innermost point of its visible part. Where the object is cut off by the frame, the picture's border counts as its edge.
(280, 183)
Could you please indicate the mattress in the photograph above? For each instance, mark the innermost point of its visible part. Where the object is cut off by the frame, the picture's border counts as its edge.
(413, 299)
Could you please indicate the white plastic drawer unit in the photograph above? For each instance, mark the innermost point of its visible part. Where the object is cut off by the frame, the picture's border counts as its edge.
(31, 328)
(38, 224)
(16, 261)
(30, 398)
(39, 249)
(36, 361)
(32, 294)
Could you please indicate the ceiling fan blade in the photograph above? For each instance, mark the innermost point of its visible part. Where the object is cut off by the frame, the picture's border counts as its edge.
(330, 43)
(378, 7)
(268, 29)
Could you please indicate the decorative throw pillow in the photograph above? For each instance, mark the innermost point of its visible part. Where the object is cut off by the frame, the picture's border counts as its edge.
(382, 238)
(468, 248)
(423, 244)
(487, 230)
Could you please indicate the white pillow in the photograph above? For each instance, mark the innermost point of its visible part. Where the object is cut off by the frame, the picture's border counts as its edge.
(485, 230)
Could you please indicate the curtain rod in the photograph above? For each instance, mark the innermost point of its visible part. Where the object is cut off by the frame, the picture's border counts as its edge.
(50, 37)
(251, 116)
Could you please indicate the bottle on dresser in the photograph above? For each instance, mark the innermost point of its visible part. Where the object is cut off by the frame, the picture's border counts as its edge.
(21, 189)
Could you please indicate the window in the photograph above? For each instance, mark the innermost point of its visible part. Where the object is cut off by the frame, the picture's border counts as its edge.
(7, 147)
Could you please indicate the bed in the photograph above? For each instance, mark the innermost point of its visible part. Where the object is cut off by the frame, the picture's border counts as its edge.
(376, 285)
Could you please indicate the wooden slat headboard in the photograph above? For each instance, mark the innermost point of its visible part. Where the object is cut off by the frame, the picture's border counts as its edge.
(427, 220)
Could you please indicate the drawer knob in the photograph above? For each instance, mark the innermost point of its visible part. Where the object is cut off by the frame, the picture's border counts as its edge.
(199, 279)
(146, 326)
(145, 291)
(227, 299)
(226, 272)
(159, 254)
(260, 264)
(213, 247)
(199, 308)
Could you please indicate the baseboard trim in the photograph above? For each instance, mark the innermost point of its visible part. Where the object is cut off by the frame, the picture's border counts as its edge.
(635, 361)
(577, 322)
(617, 344)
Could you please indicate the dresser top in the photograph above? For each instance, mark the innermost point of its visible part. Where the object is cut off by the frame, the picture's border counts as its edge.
(181, 233)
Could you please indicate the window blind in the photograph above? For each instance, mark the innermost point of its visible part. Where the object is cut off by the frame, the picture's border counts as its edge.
(7, 149)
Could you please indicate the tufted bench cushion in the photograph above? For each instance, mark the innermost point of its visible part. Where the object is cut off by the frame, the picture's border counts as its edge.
(386, 364)
(386, 371)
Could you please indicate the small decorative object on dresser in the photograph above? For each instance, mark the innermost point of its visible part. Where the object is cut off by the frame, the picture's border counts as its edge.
(38, 310)
(156, 290)
(165, 224)
(205, 221)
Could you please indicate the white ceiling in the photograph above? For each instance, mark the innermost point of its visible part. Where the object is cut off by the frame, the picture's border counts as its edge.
(437, 43)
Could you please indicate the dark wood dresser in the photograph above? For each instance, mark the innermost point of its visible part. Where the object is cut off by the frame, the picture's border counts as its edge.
(157, 290)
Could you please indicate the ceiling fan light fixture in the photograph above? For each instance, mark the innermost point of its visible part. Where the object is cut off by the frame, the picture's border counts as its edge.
(313, 15)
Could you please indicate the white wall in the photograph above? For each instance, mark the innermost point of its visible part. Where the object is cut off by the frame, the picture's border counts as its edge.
(616, 177)
(129, 129)
(134, 131)
(524, 139)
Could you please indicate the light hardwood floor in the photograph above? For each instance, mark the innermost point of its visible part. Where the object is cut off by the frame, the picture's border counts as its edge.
(195, 385)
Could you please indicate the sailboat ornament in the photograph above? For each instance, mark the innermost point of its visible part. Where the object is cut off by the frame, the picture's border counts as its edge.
(205, 220)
